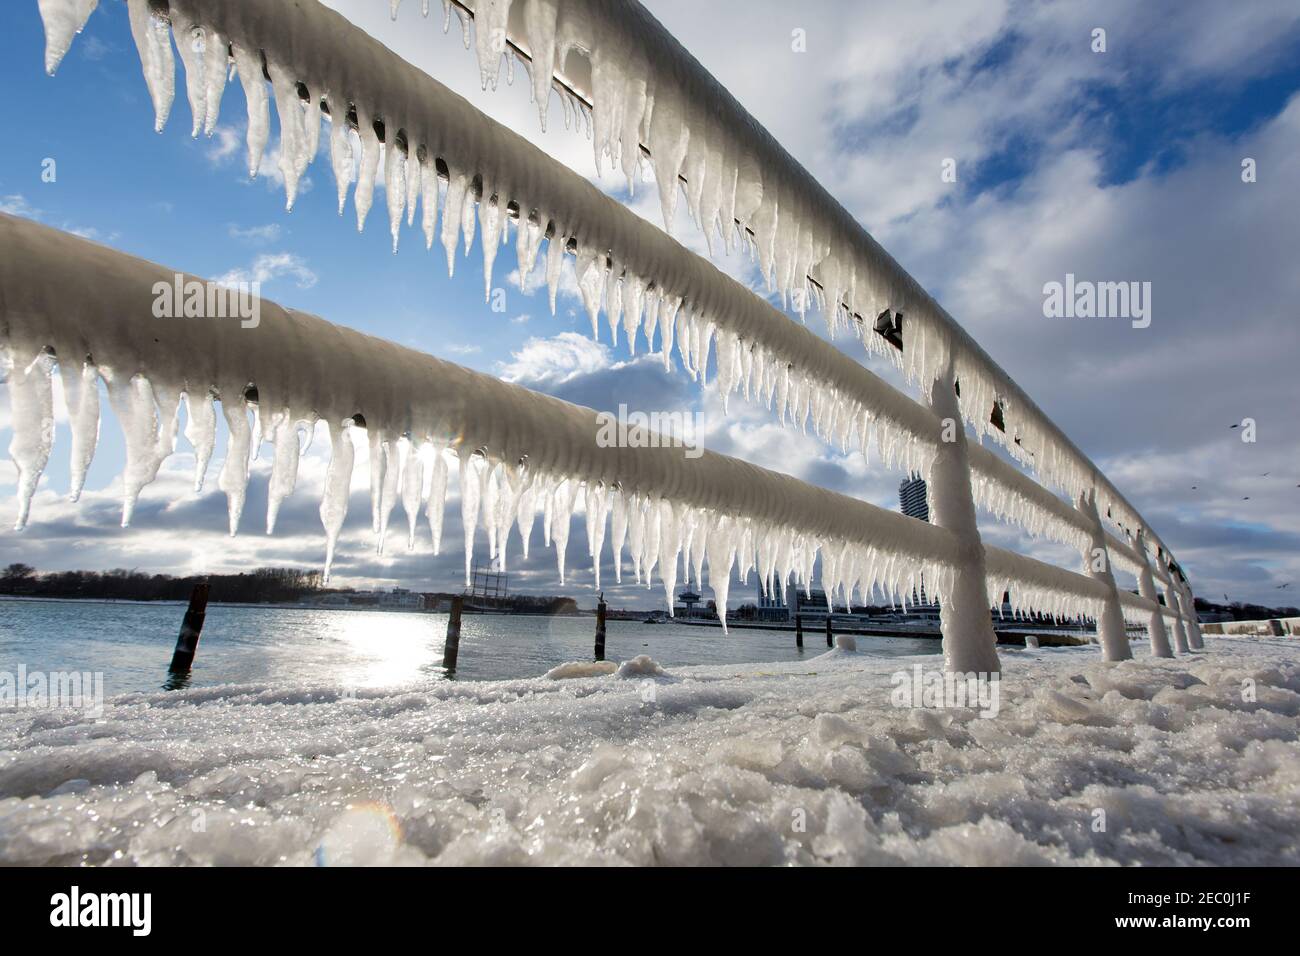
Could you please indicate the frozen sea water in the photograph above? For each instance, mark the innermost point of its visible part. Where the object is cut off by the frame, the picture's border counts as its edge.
(1193, 760)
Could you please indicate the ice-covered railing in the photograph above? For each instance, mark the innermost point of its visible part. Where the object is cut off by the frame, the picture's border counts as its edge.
(438, 150)
(80, 310)
(643, 279)
(648, 96)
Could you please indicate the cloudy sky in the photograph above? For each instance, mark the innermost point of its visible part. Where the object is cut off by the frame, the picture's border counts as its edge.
(1122, 165)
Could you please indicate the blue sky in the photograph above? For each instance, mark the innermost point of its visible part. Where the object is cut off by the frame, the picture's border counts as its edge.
(1119, 165)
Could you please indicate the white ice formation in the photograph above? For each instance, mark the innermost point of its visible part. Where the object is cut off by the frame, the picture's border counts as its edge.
(642, 280)
(519, 451)
(648, 97)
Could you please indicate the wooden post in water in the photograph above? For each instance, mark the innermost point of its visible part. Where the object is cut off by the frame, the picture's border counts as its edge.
(600, 628)
(451, 648)
(830, 638)
(798, 630)
(187, 644)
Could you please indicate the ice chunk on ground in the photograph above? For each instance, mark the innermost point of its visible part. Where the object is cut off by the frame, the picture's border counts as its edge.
(714, 768)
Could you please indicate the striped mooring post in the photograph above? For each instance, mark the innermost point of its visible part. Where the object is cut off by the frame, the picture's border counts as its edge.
(187, 644)
(451, 648)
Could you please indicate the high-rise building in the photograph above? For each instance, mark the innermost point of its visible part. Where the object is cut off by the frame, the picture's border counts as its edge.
(912, 501)
(771, 604)
(911, 498)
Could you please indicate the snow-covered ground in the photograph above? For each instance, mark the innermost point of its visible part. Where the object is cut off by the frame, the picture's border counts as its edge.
(1146, 761)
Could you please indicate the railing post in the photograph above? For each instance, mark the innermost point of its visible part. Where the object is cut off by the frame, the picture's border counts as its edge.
(1147, 588)
(1180, 633)
(1111, 632)
(1194, 637)
(965, 619)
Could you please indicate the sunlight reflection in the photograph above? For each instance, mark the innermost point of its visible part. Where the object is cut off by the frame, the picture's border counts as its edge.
(385, 649)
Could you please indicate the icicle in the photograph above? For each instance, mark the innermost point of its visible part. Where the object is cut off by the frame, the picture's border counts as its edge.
(249, 67)
(294, 156)
(436, 506)
(468, 219)
(338, 487)
(312, 118)
(618, 532)
(528, 242)
(561, 516)
(191, 42)
(490, 18)
(81, 394)
(636, 535)
(233, 479)
(652, 534)
(216, 64)
(429, 187)
(201, 432)
(63, 20)
(471, 490)
(284, 465)
(412, 490)
(491, 218)
(412, 168)
(133, 402)
(452, 213)
(370, 149)
(395, 453)
(670, 546)
(512, 481)
(340, 150)
(554, 262)
(394, 187)
(153, 40)
(375, 440)
(491, 495)
(595, 505)
(31, 397)
(526, 511)
(591, 281)
(539, 28)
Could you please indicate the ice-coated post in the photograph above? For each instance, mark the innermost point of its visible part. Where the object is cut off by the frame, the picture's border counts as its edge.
(965, 620)
(798, 630)
(187, 644)
(1194, 638)
(830, 636)
(1180, 633)
(1111, 632)
(451, 648)
(600, 628)
(1147, 588)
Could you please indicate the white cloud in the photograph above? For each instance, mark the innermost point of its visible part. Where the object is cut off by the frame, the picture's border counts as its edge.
(255, 235)
(268, 267)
